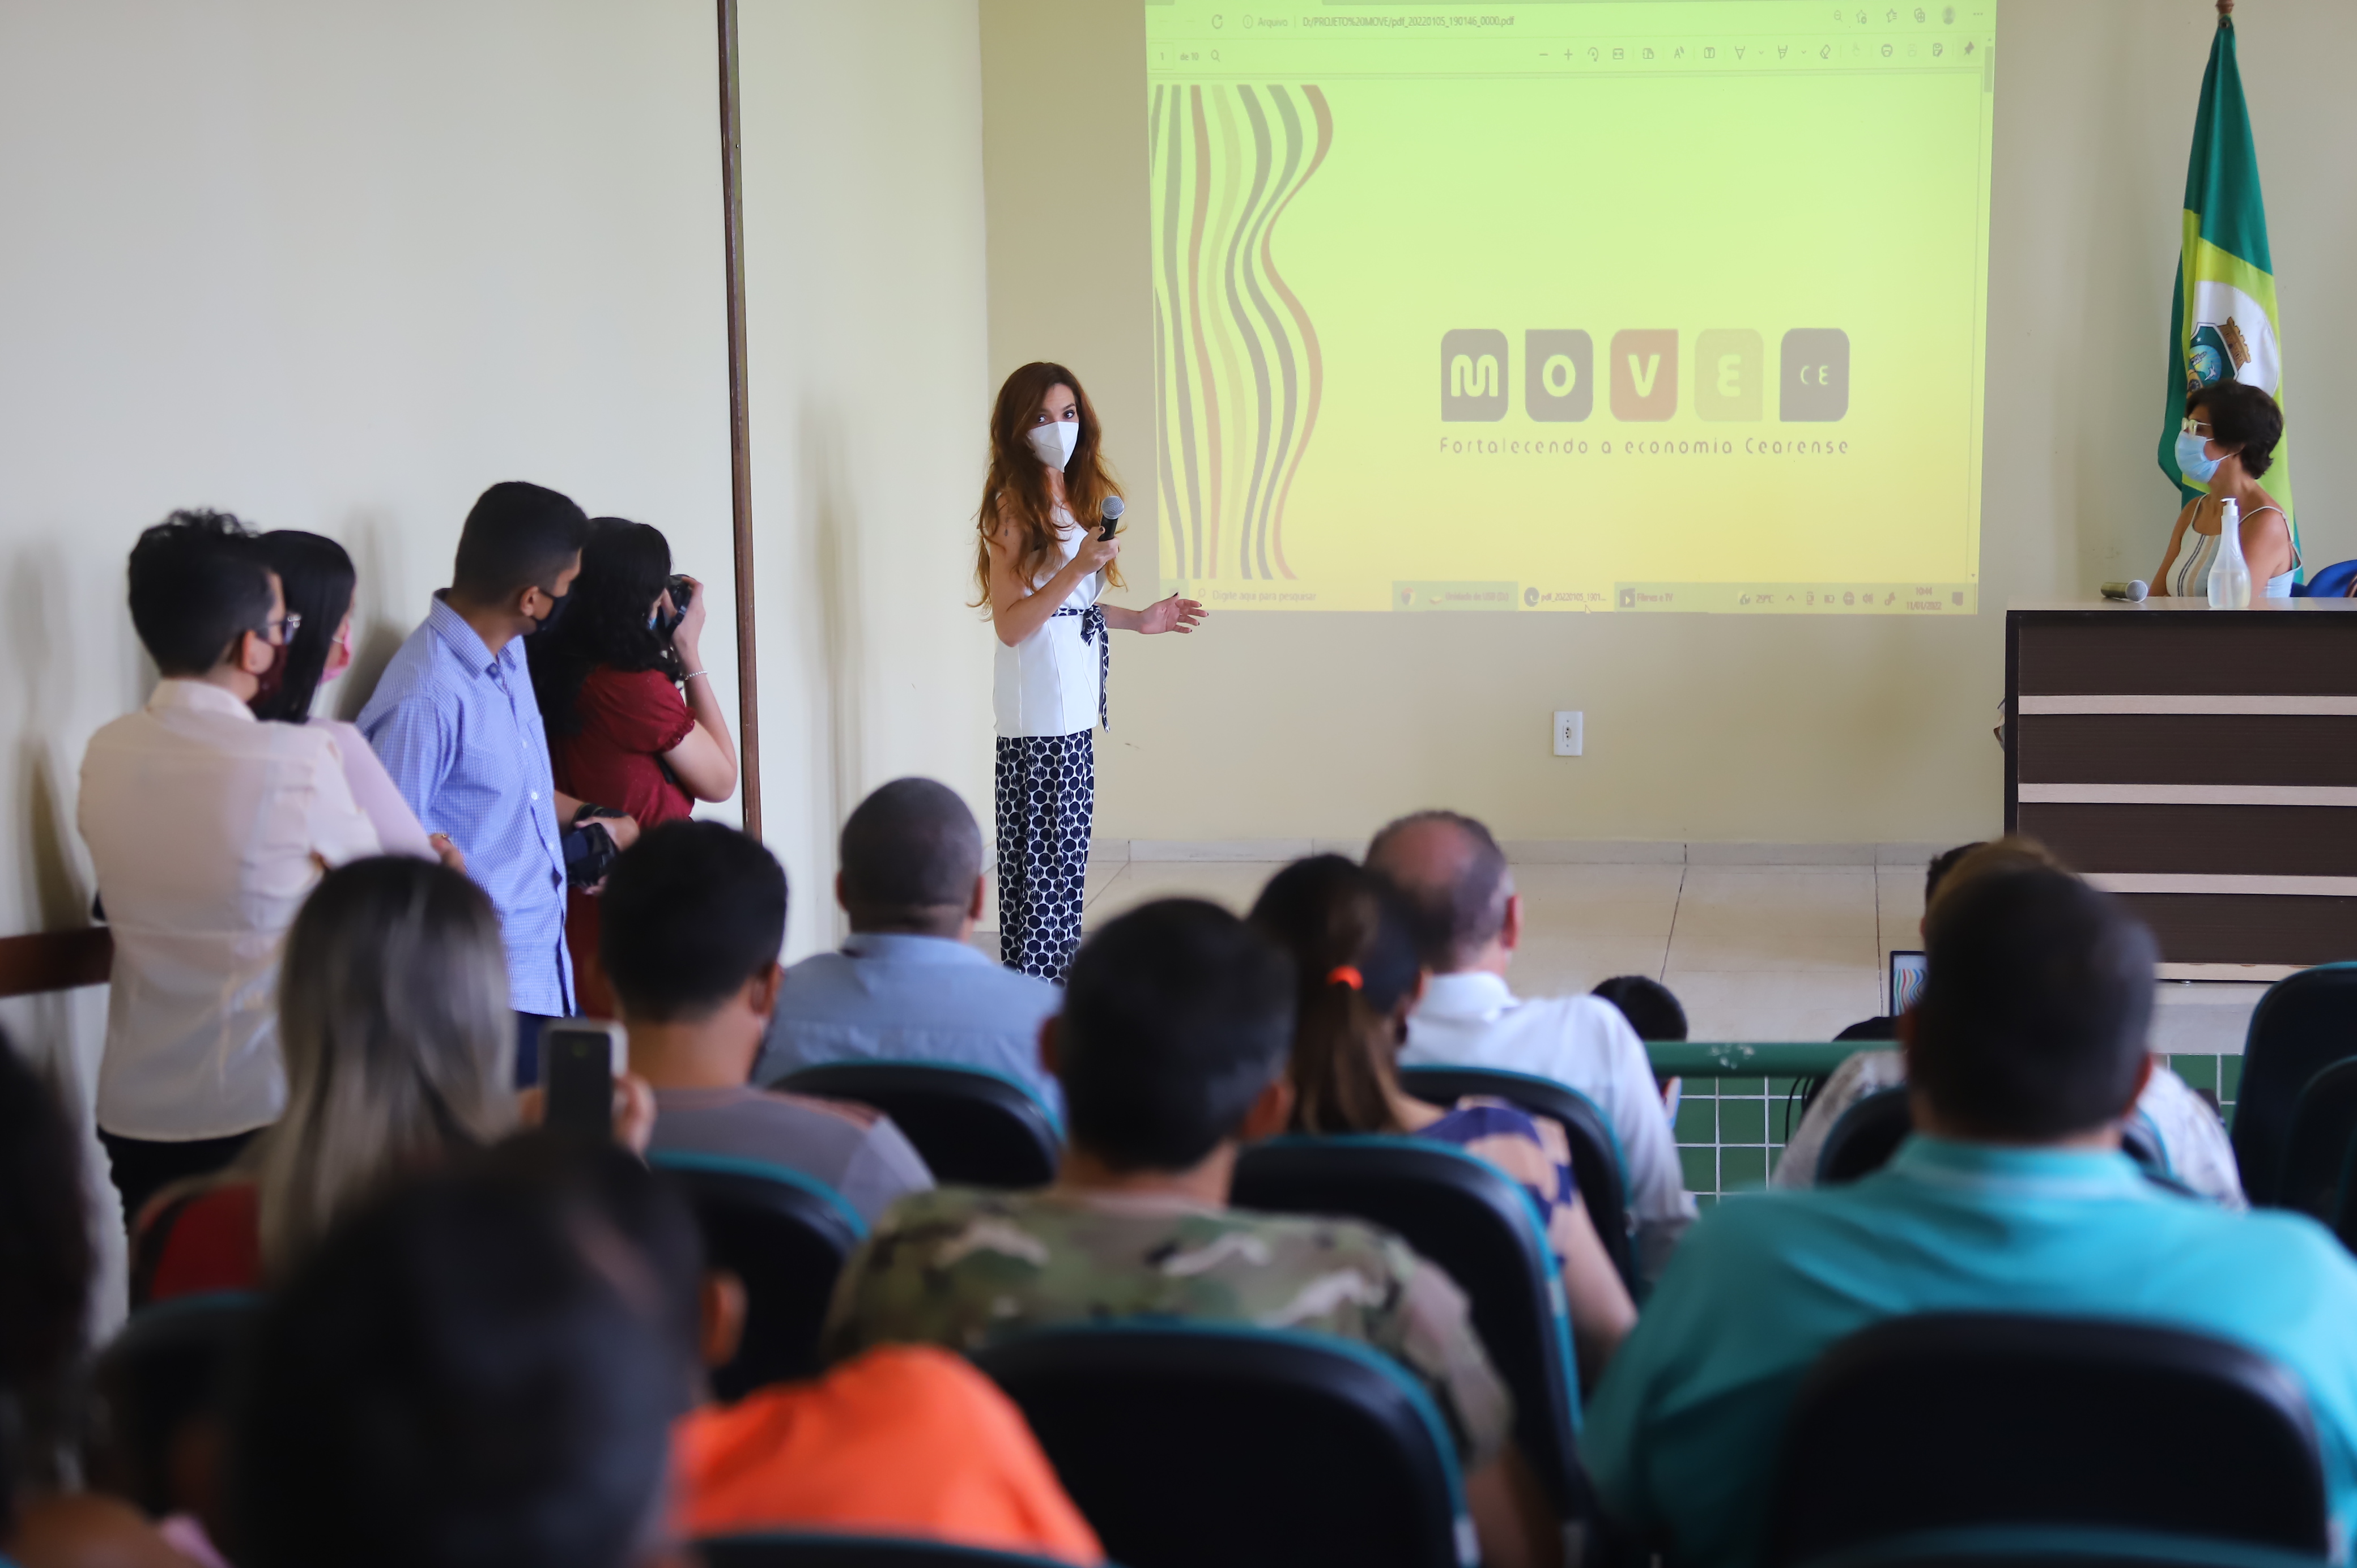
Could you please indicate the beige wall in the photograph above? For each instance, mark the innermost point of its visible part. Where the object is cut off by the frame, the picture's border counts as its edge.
(1701, 728)
(864, 288)
(339, 268)
(334, 268)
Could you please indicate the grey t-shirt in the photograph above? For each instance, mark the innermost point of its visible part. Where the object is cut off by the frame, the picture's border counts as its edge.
(853, 1149)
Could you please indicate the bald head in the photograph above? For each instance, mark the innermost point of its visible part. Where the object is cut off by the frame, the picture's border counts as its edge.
(1455, 876)
(910, 853)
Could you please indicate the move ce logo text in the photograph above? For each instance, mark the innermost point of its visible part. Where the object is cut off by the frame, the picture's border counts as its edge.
(1729, 375)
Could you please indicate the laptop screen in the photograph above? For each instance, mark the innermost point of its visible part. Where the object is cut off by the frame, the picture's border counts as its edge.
(1906, 979)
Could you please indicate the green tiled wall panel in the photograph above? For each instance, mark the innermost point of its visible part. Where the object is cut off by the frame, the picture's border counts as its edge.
(1731, 1131)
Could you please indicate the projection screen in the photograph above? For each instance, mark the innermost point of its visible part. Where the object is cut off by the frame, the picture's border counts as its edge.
(1651, 305)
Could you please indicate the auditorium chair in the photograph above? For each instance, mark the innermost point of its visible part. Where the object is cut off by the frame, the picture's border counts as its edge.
(814, 1549)
(164, 1375)
(2331, 583)
(786, 1235)
(975, 1128)
(2303, 1024)
(1951, 1421)
(1481, 1230)
(1596, 1162)
(1864, 1137)
(2054, 1546)
(2316, 1150)
(1187, 1443)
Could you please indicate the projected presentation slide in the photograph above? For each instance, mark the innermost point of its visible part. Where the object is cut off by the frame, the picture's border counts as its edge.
(1650, 305)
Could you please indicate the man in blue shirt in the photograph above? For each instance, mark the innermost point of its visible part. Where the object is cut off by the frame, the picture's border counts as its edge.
(907, 987)
(455, 723)
(2024, 1055)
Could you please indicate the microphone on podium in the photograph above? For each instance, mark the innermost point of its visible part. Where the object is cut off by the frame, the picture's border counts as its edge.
(2134, 592)
(1110, 510)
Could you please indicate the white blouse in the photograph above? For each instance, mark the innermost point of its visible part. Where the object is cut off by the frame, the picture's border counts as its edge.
(1048, 683)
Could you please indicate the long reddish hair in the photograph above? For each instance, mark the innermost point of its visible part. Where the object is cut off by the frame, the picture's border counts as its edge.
(1015, 490)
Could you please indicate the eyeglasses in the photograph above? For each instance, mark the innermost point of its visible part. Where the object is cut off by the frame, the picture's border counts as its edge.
(2192, 426)
(286, 626)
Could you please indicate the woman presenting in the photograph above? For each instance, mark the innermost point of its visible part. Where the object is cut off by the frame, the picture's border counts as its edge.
(1042, 570)
(2228, 441)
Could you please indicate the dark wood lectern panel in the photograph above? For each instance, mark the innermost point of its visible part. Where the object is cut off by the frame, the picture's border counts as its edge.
(2176, 649)
(2186, 748)
(2191, 654)
(2199, 840)
(2231, 927)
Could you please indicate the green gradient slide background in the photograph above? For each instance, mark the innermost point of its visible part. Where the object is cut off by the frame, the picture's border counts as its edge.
(1329, 203)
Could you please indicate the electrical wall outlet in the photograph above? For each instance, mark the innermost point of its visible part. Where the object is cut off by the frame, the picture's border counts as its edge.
(1570, 732)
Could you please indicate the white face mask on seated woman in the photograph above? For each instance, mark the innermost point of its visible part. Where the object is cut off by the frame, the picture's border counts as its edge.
(2193, 459)
(1054, 442)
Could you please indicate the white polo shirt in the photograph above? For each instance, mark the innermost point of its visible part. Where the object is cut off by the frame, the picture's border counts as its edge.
(1471, 1019)
(208, 829)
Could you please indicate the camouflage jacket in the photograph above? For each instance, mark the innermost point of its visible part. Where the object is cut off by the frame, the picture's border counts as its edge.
(960, 1268)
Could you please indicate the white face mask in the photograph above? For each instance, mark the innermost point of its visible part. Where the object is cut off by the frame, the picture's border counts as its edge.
(1054, 442)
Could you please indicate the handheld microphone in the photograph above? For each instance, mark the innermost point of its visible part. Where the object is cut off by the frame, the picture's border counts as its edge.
(1110, 511)
(2133, 592)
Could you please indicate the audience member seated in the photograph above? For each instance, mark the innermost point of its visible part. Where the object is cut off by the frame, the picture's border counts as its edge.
(2025, 1051)
(632, 720)
(695, 913)
(455, 723)
(393, 1016)
(1172, 1049)
(206, 828)
(2189, 1128)
(316, 575)
(1886, 1028)
(471, 1374)
(1470, 921)
(1652, 1008)
(906, 1440)
(47, 1263)
(907, 986)
(1353, 944)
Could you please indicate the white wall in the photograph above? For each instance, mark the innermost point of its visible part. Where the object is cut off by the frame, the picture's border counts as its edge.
(1704, 727)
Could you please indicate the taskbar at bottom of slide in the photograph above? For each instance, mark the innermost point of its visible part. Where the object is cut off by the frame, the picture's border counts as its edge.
(1657, 598)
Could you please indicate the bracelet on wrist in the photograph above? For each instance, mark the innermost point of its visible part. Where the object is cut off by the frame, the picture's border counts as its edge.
(690, 676)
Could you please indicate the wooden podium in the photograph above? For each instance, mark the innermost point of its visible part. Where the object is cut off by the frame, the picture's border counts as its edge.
(2200, 763)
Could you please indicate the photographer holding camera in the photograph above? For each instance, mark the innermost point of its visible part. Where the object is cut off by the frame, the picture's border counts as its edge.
(633, 725)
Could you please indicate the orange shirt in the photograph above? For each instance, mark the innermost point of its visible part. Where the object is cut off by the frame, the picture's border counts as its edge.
(905, 1440)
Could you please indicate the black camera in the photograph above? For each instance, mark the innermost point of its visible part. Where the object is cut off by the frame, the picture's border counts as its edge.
(683, 594)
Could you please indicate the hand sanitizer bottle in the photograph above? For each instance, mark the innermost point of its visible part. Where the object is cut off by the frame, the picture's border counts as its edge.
(2230, 575)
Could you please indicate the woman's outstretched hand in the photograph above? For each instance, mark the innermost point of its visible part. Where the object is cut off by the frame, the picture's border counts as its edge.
(1173, 613)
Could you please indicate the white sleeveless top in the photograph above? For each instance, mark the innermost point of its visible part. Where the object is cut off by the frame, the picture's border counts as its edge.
(1048, 682)
(2192, 580)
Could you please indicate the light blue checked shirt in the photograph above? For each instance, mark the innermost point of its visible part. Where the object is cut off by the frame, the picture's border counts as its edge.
(896, 996)
(459, 731)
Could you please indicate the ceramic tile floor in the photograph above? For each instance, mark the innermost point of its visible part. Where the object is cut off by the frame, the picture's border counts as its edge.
(1755, 952)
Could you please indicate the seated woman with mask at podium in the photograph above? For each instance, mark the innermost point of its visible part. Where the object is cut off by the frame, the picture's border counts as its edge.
(2228, 441)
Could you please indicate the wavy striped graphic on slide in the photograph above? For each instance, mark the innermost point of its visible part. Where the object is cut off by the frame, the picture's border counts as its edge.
(1238, 369)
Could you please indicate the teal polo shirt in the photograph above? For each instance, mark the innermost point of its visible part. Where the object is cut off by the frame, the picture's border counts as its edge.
(1682, 1434)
